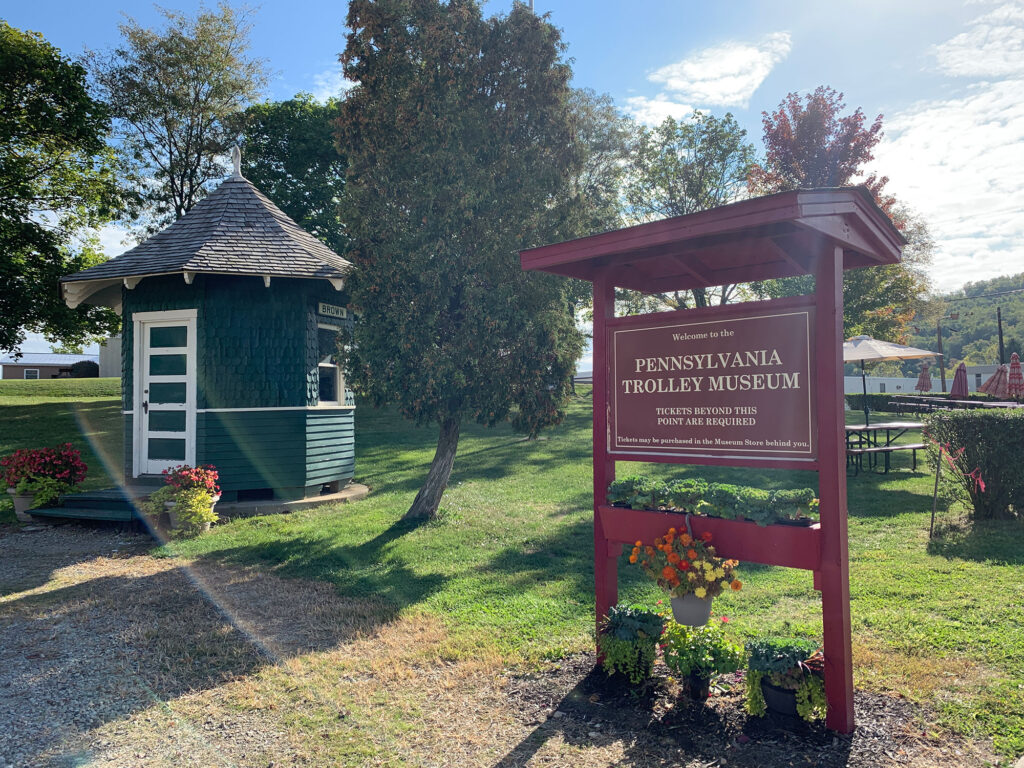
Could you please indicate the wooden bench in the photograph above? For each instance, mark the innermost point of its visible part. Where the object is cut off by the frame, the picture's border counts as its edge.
(855, 456)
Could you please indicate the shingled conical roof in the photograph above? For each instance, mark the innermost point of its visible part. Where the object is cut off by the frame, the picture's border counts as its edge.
(236, 230)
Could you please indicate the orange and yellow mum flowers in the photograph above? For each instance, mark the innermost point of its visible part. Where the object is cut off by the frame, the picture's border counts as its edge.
(678, 553)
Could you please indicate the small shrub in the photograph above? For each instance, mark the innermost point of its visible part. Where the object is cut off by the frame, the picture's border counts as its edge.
(628, 642)
(85, 369)
(982, 459)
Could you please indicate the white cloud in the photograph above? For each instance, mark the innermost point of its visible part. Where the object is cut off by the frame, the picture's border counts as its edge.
(992, 47)
(654, 111)
(958, 162)
(329, 83)
(724, 75)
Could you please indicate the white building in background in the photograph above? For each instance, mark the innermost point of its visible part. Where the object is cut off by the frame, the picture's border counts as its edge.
(110, 357)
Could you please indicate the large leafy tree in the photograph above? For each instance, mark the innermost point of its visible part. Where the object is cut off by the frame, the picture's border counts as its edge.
(459, 141)
(289, 152)
(57, 177)
(682, 167)
(171, 92)
(810, 143)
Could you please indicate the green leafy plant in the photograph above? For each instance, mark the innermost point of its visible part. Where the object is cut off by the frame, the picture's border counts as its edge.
(194, 510)
(724, 500)
(792, 664)
(628, 641)
(700, 651)
(193, 490)
(637, 492)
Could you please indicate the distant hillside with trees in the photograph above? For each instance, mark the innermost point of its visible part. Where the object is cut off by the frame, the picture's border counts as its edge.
(969, 328)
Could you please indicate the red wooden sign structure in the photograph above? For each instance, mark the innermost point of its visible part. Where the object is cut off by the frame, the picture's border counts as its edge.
(750, 385)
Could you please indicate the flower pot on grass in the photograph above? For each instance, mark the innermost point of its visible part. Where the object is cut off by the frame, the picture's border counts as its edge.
(22, 504)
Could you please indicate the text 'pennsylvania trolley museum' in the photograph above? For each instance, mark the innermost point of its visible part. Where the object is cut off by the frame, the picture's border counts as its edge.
(231, 318)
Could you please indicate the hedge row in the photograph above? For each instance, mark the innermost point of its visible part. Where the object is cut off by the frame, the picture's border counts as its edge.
(987, 450)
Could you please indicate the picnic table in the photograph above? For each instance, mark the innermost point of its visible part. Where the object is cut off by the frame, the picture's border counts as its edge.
(866, 440)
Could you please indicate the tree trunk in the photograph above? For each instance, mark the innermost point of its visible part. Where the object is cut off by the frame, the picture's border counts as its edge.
(429, 498)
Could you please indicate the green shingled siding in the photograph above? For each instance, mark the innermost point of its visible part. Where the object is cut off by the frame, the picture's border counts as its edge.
(256, 348)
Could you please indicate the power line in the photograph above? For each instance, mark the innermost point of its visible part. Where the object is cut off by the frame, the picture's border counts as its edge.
(984, 295)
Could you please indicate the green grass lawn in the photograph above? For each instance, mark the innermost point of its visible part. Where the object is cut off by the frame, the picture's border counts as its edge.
(507, 566)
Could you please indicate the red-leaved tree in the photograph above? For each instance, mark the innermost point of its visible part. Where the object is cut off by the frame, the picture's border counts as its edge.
(809, 143)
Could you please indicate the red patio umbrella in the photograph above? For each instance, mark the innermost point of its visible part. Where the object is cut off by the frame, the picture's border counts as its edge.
(1015, 381)
(997, 383)
(924, 381)
(959, 388)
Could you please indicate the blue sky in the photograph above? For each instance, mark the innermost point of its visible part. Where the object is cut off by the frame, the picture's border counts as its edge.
(947, 76)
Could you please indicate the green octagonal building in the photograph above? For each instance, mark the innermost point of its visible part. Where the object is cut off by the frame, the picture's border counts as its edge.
(230, 319)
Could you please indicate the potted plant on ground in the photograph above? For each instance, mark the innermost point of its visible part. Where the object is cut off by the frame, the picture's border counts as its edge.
(628, 642)
(689, 570)
(189, 496)
(36, 477)
(785, 675)
(697, 654)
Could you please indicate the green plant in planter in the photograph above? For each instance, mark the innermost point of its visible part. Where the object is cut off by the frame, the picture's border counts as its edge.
(637, 492)
(194, 510)
(193, 491)
(700, 651)
(792, 664)
(628, 641)
(43, 473)
(724, 500)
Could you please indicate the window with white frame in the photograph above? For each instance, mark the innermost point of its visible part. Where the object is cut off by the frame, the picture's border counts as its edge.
(332, 382)
(31, 373)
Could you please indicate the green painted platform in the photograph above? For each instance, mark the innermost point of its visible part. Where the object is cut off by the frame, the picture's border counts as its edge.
(111, 504)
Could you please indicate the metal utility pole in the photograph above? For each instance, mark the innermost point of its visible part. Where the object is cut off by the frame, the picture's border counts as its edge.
(999, 322)
(942, 358)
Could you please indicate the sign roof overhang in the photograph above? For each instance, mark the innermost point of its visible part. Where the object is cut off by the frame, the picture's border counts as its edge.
(762, 238)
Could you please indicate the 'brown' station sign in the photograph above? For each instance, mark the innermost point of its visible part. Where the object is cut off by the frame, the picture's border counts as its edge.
(734, 383)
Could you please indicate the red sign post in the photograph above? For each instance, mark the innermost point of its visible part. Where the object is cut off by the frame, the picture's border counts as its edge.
(756, 384)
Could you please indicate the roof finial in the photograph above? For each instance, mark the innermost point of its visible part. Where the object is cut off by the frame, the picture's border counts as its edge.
(236, 161)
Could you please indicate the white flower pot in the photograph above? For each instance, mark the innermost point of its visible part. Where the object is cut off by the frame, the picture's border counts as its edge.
(22, 504)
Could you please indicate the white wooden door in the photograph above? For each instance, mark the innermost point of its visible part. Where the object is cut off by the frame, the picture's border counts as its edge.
(165, 395)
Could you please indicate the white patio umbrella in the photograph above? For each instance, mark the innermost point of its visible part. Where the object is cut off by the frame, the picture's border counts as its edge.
(864, 348)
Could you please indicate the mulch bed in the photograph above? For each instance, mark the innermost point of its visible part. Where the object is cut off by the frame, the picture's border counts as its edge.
(664, 728)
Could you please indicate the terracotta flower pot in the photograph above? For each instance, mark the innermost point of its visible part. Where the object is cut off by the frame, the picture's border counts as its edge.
(22, 504)
(691, 610)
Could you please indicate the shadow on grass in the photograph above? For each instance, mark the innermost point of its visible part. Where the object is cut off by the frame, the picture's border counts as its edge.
(123, 642)
(999, 542)
(367, 570)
